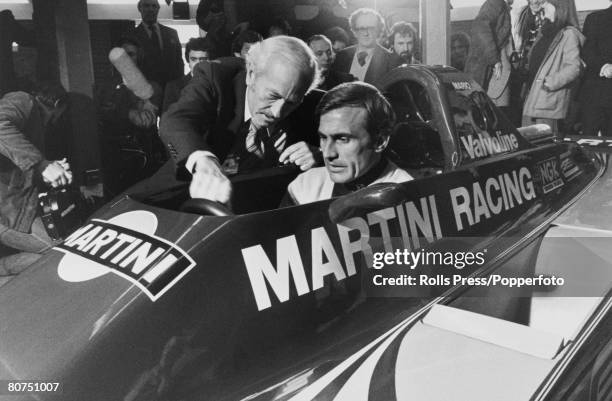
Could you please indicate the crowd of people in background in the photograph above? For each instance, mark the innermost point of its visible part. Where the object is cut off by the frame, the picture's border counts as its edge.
(542, 68)
(365, 52)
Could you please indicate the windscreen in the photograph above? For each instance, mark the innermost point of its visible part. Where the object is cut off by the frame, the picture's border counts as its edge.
(482, 129)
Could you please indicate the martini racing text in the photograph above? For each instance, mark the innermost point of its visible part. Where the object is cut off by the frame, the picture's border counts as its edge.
(414, 223)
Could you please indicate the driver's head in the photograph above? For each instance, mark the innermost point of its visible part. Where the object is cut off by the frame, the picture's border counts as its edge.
(354, 129)
(280, 71)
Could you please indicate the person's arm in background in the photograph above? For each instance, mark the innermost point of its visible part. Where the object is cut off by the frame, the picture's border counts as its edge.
(16, 147)
(570, 69)
(144, 113)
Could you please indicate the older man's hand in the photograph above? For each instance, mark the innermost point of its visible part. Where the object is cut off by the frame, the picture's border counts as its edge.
(300, 154)
(208, 180)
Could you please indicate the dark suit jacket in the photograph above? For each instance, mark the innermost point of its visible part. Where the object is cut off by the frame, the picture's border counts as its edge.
(163, 66)
(210, 113)
(490, 33)
(597, 51)
(382, 62)
(173, 90)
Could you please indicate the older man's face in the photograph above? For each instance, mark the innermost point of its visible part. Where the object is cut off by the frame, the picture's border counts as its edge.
(275, 91)
(348, 149)
(324, 54)
(148, 10)
(367, 30)
(403, 45)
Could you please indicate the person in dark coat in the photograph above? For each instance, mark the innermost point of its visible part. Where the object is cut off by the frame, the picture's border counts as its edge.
(196, 50)
(597, 88)
(162, 61)
(490, 34)
(247, 114)
(24, 122)
(322, 48)
(367, 61)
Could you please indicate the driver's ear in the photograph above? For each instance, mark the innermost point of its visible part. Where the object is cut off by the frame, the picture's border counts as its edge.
(381, 143)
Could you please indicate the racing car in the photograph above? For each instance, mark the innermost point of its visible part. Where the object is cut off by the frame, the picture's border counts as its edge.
(158, 297)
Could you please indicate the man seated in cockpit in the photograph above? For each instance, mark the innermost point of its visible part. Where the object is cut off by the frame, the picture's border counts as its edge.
(355, 123)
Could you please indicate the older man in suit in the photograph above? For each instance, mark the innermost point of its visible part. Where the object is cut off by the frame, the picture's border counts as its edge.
(597, 88)
(246, 114)
(162, 60)
(367, 61)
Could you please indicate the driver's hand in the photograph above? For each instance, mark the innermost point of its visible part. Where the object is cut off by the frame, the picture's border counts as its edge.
(208, 181)
(57, 173)
(300, 154)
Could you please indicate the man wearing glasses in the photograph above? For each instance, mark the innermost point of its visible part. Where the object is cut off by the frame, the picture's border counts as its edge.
(367, 61)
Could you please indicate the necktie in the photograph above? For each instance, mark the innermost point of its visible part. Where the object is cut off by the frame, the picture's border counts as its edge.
(361, 57)
(154, 37)
(253, 142)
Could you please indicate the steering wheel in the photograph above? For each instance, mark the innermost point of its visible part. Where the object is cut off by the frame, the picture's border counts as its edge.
(205, 207)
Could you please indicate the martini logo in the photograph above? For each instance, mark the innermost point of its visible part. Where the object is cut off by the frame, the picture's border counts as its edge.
(124, 245)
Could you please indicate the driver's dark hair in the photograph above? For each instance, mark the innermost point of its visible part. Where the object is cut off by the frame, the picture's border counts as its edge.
(380, 117)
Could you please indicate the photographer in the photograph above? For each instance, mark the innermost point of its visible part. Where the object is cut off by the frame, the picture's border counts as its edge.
(24, 122)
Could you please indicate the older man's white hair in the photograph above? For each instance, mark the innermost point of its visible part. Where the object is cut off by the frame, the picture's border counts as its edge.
(290, 49)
